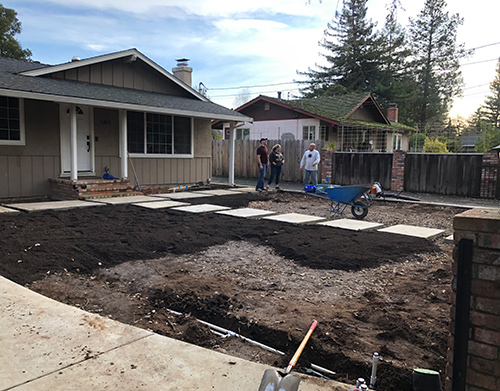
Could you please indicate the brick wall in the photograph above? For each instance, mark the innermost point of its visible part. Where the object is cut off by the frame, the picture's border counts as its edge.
(489, 174)
(398, 171)
(326, 166)
(481, 372)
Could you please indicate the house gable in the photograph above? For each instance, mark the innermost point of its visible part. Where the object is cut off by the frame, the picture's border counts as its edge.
(119, 73)
(127, 69)
(368, 111)
(266, 110)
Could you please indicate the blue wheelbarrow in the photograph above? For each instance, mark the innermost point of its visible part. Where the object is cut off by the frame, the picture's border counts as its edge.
(340, 197)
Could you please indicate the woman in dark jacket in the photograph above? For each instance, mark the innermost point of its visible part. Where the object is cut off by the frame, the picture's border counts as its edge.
(276, 163)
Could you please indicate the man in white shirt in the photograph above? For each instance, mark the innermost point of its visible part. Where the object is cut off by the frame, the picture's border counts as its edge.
(309, 163)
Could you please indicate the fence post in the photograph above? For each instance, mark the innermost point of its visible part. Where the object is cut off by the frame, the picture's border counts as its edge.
(326, 165)
(474, 343)
(398, 171)
(489, 174)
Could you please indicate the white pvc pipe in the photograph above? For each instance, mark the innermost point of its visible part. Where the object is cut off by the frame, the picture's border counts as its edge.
(373, 377)
(222, 332)
(233, 334)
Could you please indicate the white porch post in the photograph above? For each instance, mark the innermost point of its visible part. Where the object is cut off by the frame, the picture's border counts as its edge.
(122, 121)
(231, 154)
(73, 150)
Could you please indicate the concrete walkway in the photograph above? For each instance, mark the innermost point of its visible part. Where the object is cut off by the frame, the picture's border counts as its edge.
(46, 345)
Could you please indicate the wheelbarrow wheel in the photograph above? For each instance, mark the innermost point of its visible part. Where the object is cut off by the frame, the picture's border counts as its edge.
(359, 209)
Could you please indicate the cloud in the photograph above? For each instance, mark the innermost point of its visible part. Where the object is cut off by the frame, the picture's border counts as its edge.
(210, 8)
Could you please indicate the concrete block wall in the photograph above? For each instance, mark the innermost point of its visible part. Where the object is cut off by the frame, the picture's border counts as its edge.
(481, 372)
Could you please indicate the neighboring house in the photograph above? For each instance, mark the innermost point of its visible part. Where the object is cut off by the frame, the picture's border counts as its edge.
(469, 142)
(66, 123)
(354, 122)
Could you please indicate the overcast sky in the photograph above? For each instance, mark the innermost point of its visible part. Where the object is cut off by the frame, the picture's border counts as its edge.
(234, 43)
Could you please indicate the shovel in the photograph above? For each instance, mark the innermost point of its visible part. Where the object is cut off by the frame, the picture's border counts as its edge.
(278, 381)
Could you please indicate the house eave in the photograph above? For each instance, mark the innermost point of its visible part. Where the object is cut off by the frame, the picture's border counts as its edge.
(119, 105)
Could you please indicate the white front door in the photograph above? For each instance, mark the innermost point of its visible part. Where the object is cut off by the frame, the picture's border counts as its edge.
(84, 139)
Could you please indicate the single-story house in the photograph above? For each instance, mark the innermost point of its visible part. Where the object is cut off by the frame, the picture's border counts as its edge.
(62, 126)
(353, 122)
(469, 142)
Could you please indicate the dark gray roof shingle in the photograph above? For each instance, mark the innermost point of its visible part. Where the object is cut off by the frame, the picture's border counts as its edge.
(11, 80)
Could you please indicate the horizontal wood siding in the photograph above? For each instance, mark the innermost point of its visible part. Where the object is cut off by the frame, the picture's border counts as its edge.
(160, 172)
(354, 168)
(447, 174)
(27, 176)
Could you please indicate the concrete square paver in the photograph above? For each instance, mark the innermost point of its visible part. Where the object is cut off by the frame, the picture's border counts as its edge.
(246, 212)
(411, 230)
(36, 206)
(126, 200)
(354, 225)
(295, 218)
(182, 195)
(202, 208)
(8, 210)
(217, 192)
(161, 204)
(242, 189)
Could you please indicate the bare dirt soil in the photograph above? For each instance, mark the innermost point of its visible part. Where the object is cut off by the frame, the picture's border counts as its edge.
(370, 291)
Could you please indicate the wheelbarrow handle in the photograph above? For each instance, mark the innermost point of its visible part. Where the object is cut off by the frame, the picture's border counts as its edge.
(297, 354)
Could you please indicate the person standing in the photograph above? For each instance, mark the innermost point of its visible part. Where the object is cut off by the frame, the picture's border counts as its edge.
(309, 163)
(262, 161)
(276, 163)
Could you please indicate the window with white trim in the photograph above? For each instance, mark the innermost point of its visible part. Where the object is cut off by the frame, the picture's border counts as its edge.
(11, 121)
(323, 135)
(158, 134)
(243, 134)
(309, 132)
(397, 142)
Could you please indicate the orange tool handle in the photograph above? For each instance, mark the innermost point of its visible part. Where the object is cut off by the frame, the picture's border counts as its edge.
(297, 354)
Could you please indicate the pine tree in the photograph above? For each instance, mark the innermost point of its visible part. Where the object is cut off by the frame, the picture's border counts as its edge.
(395, 84)
(9, 27)
(491, 108)
(436, 58)
(353, 54)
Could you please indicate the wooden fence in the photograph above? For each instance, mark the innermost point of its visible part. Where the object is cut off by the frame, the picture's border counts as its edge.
(447, 174)
(350, 168)
(245, 158)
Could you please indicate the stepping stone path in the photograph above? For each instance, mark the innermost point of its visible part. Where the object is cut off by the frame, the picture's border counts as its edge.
(202, 208)
(295, 218)
(161, 204)
(411, 230)
(246, 212)
(354, 225)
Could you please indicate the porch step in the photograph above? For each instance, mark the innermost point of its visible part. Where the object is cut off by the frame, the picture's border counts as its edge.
(92, 188)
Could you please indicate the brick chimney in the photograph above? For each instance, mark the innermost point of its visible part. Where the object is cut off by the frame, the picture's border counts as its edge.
(392, 112)
(182, 71)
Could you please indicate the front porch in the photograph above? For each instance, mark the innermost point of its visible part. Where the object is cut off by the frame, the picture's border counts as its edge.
(90, 188)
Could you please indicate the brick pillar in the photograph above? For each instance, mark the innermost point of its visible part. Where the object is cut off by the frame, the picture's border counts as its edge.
(489, 174)
(478, 336)
(398, 171)
(326, 166)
